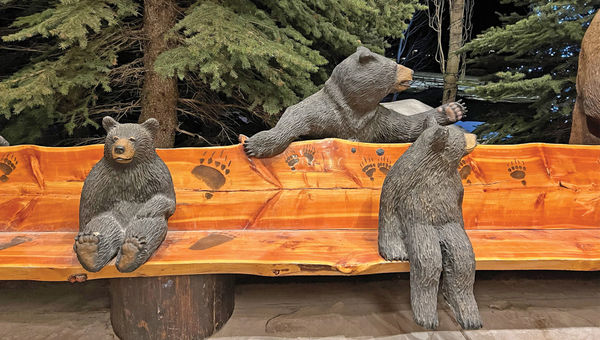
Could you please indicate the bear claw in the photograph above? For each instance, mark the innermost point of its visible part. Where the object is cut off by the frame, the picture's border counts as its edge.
(451, 112)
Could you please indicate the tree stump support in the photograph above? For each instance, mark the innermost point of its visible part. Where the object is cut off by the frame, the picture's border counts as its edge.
(171, 307)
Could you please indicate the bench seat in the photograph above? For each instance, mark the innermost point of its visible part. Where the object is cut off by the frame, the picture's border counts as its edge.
(310, 211)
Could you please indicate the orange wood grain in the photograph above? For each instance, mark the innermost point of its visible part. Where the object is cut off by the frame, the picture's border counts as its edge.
(49, 256)
(326, 187)
(560, 187)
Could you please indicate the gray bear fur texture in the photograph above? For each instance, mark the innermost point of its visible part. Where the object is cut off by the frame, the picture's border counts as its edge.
(348, 107)
(3, 142)
(126, 200)
(420, 220)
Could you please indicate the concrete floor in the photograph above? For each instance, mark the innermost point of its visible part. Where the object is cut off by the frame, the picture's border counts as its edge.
(514, 305)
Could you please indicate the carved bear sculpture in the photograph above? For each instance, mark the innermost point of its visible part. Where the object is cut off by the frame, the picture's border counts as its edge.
(126, 200)
(348, 107)
(586, 114)
(3, 142)
(420, 220)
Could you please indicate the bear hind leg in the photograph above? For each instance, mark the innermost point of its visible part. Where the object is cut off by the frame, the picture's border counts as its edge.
(142, 238)
(459, 276)
(99, 242)
(390, 238)
(425, 259)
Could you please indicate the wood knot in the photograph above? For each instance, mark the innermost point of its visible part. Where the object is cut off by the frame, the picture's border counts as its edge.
(77, 278)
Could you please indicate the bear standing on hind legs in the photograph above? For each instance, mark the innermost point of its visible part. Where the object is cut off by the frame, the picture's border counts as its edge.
(348, 107)
(126, 200)
(420, 220)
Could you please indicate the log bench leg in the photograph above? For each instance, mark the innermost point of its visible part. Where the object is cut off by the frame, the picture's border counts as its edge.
(170, 307)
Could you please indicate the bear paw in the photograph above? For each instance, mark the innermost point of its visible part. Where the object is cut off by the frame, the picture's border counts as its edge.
(394, 253)
(464, 308)
(427, 321)
(131, 255)
(451, 112)
(264, 144)
(86, 248)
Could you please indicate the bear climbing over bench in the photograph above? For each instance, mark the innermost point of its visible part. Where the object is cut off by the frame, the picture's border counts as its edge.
(348, 107)
(126, 200)
(420, 220)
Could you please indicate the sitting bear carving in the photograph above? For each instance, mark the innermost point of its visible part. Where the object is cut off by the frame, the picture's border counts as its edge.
(420, 220)
(348, 107)
(126, 200)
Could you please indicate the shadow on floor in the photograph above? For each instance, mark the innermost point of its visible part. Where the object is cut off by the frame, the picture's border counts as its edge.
(532, 305)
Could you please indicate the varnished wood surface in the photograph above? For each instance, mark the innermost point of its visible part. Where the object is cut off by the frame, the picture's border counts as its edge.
(49, 256)
(315, 188)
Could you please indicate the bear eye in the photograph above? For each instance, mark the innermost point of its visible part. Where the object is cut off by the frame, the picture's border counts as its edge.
(115, 138)
(132, 139)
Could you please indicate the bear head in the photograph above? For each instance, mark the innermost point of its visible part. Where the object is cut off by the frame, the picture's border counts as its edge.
(365, 78)
(129, 144)
(445, 145)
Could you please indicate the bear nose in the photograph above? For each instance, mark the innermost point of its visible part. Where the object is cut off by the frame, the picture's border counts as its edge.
(119, 150)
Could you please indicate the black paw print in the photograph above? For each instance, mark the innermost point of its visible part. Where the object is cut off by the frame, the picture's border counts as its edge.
(464, 170)
(384, 165)
(213, 171)
(368, 166)
(309, 153)
(517, 169)
(291, 159)
(7, 165)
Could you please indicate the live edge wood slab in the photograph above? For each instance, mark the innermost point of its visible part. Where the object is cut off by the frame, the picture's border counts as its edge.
(309, 211)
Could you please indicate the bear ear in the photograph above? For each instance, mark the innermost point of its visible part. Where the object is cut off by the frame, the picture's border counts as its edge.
(429, 122)
(109, 123)
(152, 126)
(364, 55)
(440, 139)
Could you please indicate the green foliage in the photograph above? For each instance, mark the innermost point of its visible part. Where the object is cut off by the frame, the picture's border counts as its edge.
(61, 83)
(269, 50)
(84, 57)
(539, 51)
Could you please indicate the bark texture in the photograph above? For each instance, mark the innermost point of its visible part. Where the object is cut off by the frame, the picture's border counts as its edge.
(171, 307)
(586, 114)
(159, 94)
(457, 10)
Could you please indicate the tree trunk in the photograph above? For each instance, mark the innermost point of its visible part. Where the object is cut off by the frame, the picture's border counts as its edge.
(457, 10)
(170, 307)
(159, 94)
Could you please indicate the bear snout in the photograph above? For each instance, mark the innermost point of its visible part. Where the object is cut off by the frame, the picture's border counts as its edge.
(404, 77)
(470, 142)
(123, 151)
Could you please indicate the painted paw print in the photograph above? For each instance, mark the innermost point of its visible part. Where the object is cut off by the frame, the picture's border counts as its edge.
(212, 171)
(309, 153)
(516, 169)
(291, 159)
(368, 166)
(7, 165)
(384, 165)
(464, 170)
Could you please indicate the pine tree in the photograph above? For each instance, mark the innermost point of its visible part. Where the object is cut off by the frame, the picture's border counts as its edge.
(79, 46)
(231, 57)
(536, 57)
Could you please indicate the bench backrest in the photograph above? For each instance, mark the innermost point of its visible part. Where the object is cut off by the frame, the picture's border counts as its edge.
(528, 186)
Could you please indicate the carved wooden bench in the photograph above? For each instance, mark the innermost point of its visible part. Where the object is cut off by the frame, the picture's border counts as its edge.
(310, 211)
